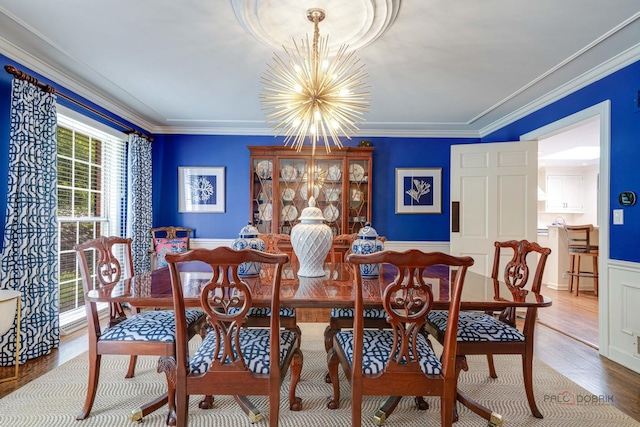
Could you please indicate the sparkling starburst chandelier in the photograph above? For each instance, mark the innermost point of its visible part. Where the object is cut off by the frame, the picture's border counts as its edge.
(310, 95)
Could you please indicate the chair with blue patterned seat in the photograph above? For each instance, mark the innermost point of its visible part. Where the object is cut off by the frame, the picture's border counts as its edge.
(341, 318)
(168, 240)
(489, 334)
(399, 361)
(234, 359)
(259, 316)
(103, 262)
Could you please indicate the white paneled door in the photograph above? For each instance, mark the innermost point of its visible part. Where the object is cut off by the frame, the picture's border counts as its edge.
(493, 197)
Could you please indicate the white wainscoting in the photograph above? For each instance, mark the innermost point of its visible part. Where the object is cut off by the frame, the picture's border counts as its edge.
(623, 286)
(210, 243)
(423, 246)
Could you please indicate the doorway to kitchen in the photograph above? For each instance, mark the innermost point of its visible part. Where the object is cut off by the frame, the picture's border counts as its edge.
(573, 183)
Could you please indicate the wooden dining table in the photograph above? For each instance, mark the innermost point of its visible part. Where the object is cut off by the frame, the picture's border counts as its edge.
(334, 290)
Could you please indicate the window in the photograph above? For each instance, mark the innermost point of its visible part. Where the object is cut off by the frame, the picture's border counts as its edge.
(92, 186)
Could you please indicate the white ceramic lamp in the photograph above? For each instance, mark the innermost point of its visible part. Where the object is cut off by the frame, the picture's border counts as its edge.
(311, 240)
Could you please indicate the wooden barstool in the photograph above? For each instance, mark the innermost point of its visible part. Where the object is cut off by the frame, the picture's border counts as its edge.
(579, 243)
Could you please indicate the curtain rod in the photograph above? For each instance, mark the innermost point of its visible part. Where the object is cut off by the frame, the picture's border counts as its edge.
(21, 75)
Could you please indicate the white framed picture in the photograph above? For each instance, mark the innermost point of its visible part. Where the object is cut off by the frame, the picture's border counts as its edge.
(418, 190)
(201, 189)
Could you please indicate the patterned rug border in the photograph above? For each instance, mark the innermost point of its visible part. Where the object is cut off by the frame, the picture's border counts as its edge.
(56, 397)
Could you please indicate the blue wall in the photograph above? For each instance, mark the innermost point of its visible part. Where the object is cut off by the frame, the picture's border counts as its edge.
(622, 89)
(172, 151)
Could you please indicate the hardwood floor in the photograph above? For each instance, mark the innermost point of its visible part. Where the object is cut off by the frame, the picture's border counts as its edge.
(574, 316)
(572, 357)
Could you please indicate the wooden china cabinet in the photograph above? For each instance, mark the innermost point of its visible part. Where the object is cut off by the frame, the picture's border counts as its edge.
(282, 180)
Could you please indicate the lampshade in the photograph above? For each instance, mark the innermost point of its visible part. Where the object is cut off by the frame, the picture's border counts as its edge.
(308, 94)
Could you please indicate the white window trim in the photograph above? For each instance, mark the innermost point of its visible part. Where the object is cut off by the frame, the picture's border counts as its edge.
(74, 320)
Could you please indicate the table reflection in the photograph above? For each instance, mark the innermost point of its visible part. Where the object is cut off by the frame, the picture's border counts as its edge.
(334, 289)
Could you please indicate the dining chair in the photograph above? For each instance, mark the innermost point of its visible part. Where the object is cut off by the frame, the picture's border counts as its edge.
(487, 334)
(399, 361)
(233, 359)
(259, 316)
(579, 245)
(149, 333)
(340, 318)
(275, 243)
(168, 239)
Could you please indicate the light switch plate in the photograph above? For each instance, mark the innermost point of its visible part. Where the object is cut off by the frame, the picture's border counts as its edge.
(618, 216)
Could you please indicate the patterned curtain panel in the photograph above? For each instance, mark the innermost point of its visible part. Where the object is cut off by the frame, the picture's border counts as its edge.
(30, 248)
(140, 215)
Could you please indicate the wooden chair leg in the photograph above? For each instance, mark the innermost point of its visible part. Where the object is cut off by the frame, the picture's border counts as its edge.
(329, 333)
(595, 275)
(421, 404)
(274, 409)
(166, 365)
(572, 270)
(295, 403)
(461, 365)
(92, 387)
(578, 276)
(206, 402)
(132, 367)
(527, 372)
(333, 402)
(446, 410)
(492, 367)
(182, 408)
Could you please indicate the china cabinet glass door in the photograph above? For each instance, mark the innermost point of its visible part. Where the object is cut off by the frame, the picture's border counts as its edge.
(262, 196)
(283, 181)
(326, 185)
(292, 190)
(359, 197)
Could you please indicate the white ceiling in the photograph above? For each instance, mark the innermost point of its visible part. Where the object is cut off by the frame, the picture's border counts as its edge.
(436, 67)
(581, 137)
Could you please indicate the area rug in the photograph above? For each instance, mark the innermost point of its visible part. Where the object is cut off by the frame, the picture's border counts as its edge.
(55, 398)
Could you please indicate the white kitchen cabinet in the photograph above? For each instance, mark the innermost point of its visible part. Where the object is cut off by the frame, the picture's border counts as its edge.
(564, 194)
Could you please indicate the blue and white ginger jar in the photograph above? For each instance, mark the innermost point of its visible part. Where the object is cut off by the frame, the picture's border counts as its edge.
(311, 240)
(368, 243)
(249, 240)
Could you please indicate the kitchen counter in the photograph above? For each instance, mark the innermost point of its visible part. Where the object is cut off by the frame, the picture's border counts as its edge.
(555, 272)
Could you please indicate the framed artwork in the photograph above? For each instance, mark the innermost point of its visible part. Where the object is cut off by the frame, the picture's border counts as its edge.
(418, 190)
(201, 189)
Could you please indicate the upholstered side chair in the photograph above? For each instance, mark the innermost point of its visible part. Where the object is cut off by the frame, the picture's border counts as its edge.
(498, 333)
(168, 240)
(150, 333)
(233, 359)
(399, 361)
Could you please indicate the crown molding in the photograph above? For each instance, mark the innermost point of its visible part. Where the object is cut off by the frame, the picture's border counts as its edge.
(370, 129)
(60, 79)
(616, 63)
